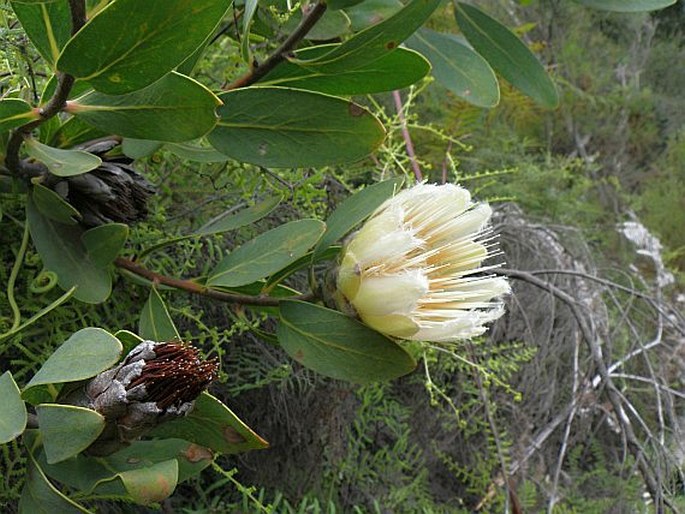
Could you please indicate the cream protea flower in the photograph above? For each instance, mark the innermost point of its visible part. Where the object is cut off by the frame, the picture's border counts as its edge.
(414, 271)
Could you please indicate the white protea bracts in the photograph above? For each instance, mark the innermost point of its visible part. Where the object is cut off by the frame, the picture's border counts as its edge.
(414, 270)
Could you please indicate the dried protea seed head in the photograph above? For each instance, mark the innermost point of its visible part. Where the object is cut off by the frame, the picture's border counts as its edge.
(156, 382)
(176, 375)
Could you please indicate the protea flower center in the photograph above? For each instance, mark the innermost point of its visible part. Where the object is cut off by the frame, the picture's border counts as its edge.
(414, 270)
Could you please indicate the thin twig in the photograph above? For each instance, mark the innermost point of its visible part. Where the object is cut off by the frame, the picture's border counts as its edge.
(259, 71)
(194, 288)
(406, 136)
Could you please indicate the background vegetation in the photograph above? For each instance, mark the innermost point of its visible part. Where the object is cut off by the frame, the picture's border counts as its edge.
(511, 420)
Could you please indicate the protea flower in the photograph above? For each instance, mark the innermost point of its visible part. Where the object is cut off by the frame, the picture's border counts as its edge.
(114, 192)
(414, 270)
(156, 382)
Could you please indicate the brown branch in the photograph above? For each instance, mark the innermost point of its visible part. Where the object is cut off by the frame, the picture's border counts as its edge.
(194, 288)
(56, 103)
(259, 71)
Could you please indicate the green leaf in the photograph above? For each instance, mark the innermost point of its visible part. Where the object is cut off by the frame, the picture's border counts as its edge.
(173, 109)
(338, 346)
(15, 112)
(267, 253)
(354, 210)
(211, 424)
(62, 251)
(282, 127)
(332, 24)
(627, 5)
(103, 243)
(53, 206)
(155, 321)
(507, 54)
(396, 70)
(128, 339)
(139, 148)
(341, 4)
(130, 44)
(47, 24)
(110, 476)
(93, 349)
(41, 497)
(74, 131)
(67, 430)
(457, 67)
(196, 153)
(376, 41)
(63, 163)
(248, 14)
(272, 285)
(231, 220)
(152, 483)
(13, 419)
(372, 12)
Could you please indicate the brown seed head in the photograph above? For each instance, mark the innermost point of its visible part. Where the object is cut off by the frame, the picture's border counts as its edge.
(175, 375)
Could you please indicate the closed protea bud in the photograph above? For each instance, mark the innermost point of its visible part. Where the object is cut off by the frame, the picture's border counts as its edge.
(156, 382)
(414, 270)
(114, 192)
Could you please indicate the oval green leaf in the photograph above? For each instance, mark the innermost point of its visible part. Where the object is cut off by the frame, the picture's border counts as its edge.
(139, 148)
(267, 253)
(14, 113)
(174, 109)
(152, 483)
(457, 67)
(62, 251)
(72, 132)
(139, 48)
(282, 127)
(155, 321)
(41, 497)
(128, 339)
(338, 346)
(341, 4)
(376, 41)
(354, 210)
(627, 5)
(231, 220)
(67, 430)
(396, 70)
(47, 24)
(372, 12)
(102, 475)
(63, 163)
(93, 349)
(213, 425)
(53, 206)
(104, 243)
(13, 419)
(332, 24)
(507, 54)
(197, 153)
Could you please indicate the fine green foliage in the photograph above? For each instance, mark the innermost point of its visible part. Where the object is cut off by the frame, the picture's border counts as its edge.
(267, 133)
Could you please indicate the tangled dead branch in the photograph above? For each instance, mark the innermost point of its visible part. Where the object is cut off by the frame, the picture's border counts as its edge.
(599, 343)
